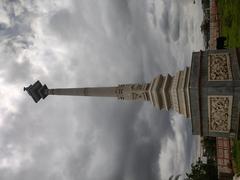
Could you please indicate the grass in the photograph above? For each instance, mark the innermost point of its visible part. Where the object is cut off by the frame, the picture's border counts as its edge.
(229, 14)
(236, 155)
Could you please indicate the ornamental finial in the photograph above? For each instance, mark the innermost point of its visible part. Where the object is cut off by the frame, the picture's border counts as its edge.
(37, 91)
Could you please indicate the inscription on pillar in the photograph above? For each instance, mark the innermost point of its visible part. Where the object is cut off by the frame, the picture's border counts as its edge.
(219, 67)
(219, 113)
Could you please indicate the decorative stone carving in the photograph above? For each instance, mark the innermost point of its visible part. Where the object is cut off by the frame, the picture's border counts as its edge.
(132, 92)
(219, 67)
(219, 113)
(174, 95)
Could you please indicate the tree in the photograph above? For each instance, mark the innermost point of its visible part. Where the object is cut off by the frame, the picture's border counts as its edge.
(201, 171)
(209, 145)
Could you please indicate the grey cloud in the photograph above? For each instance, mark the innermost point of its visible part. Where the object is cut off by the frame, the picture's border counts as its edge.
(3, 27)
(18, 71)
(139, 144)
(135, 139)
(14, 39)
(65, 28)
(90, 138)
(172, 24)
(176, 23)
(164, 21)
(15, 71)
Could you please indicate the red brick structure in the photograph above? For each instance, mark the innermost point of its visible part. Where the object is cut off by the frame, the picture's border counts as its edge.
(224, 160)
(214, 24)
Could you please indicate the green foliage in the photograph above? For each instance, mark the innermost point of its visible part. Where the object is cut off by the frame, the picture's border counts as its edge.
(229, 15)
(198, 171)
(205, 4)
(228, 20)
(209, 145)
(201, 171)
(230, 27)
(236, 155)
(205, 26)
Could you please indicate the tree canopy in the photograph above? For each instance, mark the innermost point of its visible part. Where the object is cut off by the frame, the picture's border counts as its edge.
(201, 171)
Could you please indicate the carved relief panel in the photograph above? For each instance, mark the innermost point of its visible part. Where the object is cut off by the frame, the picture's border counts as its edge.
(132, 92)
(219, 67)
(219, 113)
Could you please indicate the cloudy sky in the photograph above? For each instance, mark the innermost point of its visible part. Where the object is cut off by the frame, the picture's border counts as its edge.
(77, 43)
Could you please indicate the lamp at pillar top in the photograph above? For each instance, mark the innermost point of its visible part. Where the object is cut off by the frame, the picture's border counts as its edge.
(37, 91)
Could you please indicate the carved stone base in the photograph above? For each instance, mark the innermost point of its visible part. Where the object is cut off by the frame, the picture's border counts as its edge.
(219, 67)
(219, 113)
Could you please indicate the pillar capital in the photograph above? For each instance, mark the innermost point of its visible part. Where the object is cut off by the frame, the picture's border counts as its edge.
(37, 91)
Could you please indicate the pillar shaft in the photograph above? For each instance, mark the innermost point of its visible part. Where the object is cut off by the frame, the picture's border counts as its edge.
(89, 91)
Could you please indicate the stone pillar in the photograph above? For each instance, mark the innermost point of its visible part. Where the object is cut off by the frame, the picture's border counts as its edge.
(208, 92)
(123, 92)
(89, 91)
(164, 92)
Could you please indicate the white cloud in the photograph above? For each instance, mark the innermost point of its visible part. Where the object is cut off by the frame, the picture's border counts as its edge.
(4, 19)
(176, 154)
(82, 43)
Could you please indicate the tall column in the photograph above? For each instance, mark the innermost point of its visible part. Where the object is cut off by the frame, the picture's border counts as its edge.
(208, 92)
(164, 92)
(123, 92)
(90, 91)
